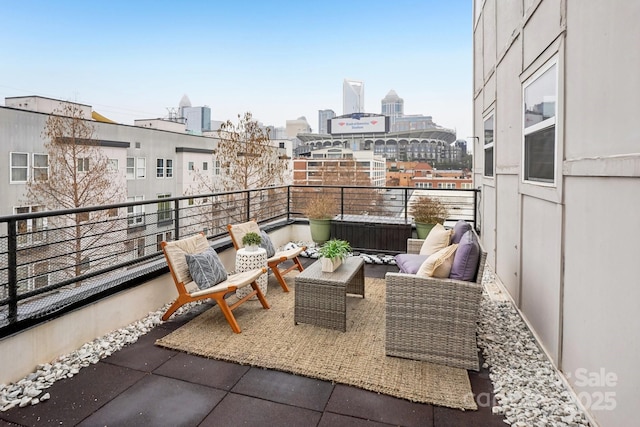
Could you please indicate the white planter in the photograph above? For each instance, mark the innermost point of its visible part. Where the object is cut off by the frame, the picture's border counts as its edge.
(329, 265)
(251, 248)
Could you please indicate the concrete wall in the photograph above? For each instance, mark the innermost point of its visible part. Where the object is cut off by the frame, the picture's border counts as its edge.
(565, 251)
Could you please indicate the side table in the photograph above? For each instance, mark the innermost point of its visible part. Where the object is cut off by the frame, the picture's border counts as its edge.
(245, 261)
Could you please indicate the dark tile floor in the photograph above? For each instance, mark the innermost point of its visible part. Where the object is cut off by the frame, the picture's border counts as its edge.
(145, 385)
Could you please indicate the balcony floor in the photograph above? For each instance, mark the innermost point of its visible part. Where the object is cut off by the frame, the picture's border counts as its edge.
(125, 388)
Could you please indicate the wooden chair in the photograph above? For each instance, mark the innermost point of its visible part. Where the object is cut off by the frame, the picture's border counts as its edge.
(175, 254)
(237, 231)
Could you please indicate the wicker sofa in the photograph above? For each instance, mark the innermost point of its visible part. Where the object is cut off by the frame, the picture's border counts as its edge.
(433, 319)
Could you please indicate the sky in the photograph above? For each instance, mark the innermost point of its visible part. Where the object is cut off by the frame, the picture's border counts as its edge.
(278, 59)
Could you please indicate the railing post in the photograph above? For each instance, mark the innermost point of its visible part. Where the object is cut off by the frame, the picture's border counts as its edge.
(176, 215)
(406, 205)
(341, 202)
(288, 203)
(12, 258)
(475, 209)
(249, 205)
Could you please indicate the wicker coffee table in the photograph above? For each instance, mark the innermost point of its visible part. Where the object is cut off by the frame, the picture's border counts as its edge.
(321, 298)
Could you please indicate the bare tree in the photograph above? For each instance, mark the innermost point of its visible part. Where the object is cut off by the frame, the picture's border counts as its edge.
(246, 160)
(79, 175)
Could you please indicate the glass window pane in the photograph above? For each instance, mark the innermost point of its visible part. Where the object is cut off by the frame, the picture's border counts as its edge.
(488, 131)
(540, 155)
(540, 98)
(488, 161)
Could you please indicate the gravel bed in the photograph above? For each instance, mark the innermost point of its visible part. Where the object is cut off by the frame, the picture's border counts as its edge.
(528, 389)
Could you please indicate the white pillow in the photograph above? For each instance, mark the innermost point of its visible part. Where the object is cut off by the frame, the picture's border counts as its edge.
(437, 239)
(439, 264)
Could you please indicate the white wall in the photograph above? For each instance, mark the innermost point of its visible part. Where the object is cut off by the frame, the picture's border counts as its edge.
(566, 252)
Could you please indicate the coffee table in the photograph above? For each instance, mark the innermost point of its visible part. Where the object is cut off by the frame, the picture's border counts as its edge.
(321, 298)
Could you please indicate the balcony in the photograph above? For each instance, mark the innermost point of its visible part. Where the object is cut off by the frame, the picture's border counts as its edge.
(55, 299)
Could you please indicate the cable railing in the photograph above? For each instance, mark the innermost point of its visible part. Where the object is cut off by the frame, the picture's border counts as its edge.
(52, 262)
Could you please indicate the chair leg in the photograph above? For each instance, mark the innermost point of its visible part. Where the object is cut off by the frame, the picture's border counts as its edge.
(226, 311)
(297, 261)
(260, 295)
(179, 302)
(276, 272)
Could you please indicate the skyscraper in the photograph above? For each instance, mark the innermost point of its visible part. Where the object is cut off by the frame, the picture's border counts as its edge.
(352, 97)
(323, 117)
(393, 107)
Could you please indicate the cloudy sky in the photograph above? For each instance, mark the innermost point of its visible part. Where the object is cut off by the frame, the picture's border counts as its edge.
(278, 59)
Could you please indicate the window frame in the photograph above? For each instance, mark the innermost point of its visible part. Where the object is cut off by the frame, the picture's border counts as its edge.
(164, 211)
(489, 147)
(159, 168)
(131, 168)
(135, 213)
(141, 167)
(40, 170)
(541, 126)
(13, 167)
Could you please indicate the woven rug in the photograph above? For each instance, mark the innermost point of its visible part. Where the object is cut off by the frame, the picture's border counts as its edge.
(269, 339)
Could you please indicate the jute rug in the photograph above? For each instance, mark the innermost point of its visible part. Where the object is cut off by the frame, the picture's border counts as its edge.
(269, 339)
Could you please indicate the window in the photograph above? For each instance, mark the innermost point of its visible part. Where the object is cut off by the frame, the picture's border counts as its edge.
(83, 164)
(162, 236)
(82, 217)
(135, 213)
(488, 145)
(205, 166)
(217, 168)
(112, 165)
(131, 168)
(159, 168)
(40, 167)
(141, 168)
(190, 166)
(30, 230)
(540, 95)
(164, 208)
(168, 168)
(19, 167)
(141, 246)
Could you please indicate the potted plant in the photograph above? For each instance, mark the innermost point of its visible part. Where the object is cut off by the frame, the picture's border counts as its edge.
(251, 240)
(427, 212)
(319, 209)
(332, 253)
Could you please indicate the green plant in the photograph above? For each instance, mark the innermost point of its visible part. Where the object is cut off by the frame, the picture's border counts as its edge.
(335, 248)
(428, 210)
(251, 238)
(320, 206)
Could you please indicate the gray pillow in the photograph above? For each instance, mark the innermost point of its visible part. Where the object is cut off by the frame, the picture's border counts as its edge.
(206, 269)
(267, 245)
(410, 263)
(459, 229)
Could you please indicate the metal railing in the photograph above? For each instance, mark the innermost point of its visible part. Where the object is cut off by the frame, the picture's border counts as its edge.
(54, 261)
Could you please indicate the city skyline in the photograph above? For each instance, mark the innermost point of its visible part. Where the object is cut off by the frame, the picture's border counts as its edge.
(279, 61)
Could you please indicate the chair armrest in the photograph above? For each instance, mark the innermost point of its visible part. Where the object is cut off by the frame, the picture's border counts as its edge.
(414, 245)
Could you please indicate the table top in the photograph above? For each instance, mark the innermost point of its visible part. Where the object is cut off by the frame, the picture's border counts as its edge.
(245, 252)
(342, 275)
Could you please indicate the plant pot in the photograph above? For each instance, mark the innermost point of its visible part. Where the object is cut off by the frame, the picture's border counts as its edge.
(423, 229)
(329, 265)
(320, 230)
(251, 248)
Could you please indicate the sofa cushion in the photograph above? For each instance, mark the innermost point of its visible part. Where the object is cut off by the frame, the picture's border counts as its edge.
(410, 263)
(465, 262)
(206, 269)
(459, 229)
(437, 239)
(267, 244)
(438, 264)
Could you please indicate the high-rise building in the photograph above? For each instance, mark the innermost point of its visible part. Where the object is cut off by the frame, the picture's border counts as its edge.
(197, 119)
(393, 107)
(352, 97)
(323, 117)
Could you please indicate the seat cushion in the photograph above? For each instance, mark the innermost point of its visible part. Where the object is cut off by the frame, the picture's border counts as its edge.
(206, 269)
(267, 244)
(459, 229)
(410, 263)
(465, 261)
(438, 238)
(438, 264)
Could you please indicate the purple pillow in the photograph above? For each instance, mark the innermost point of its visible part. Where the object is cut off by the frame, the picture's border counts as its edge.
(410, 263)
(465, 261)
(459, 229)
